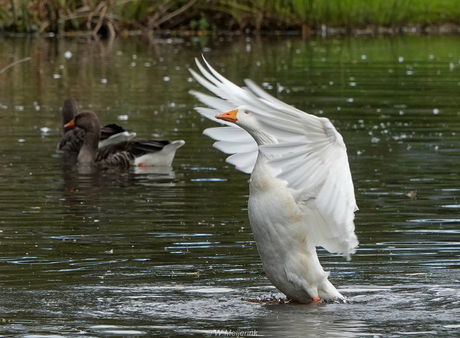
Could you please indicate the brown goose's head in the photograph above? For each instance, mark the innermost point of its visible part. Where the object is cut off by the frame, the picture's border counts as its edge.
(87, 121)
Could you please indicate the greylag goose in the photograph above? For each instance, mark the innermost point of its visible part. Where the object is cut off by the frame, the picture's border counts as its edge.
(301, 193)
(139, 152)
(72, 139)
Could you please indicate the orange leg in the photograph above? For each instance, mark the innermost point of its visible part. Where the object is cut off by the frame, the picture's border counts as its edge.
(316, 301)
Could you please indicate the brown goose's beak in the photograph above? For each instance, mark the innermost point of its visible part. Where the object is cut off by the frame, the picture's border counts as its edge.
(229, 116)
(70, 125)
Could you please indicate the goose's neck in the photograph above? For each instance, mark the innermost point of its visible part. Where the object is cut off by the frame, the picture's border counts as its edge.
(89, 148)
(262, 138)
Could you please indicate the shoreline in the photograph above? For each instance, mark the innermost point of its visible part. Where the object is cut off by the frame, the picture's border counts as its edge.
(110, 18)
(370, 30)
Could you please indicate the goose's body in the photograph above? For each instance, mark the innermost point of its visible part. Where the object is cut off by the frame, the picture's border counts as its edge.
(131, 153)
(279, 231)
(300, 192)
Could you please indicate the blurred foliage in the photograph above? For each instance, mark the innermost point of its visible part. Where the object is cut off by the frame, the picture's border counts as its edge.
(146, 16)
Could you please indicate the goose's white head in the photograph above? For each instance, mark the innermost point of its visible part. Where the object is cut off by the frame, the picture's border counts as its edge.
(250, 122)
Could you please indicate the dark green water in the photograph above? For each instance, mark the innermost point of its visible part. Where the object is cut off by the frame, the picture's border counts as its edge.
(144, 254)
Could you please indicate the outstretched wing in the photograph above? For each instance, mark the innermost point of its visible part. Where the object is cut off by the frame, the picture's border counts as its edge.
(310, 153)
(230, 139)
(316, 167)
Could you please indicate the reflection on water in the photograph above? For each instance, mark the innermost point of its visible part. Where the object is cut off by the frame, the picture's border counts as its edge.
(169, 251)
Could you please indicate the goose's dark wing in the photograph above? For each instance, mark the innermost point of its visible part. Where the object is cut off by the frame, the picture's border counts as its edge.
(141, 147)
(110, 130)
(113, 134)
(123, 154)
(72, 140)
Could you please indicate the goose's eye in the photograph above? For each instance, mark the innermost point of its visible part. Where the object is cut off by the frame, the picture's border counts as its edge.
(244, 111)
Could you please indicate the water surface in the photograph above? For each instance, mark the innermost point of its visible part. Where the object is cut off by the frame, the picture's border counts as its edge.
(125, 253)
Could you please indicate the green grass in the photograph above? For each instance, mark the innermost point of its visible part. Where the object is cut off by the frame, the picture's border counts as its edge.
(116, 16)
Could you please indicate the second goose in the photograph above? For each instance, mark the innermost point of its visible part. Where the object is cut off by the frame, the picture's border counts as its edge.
(138, 152)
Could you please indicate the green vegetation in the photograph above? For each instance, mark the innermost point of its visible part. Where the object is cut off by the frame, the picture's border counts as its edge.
(112, 17)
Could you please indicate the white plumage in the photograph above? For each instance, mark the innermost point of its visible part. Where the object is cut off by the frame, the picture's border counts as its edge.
(301, 190)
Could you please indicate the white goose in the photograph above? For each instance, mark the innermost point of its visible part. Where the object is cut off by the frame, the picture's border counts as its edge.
(301, 192)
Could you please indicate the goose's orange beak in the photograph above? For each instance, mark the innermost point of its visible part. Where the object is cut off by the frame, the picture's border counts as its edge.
(70, 125)
(229, 116)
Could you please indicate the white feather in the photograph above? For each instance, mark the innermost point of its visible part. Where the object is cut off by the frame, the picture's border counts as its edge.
(228, 134)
